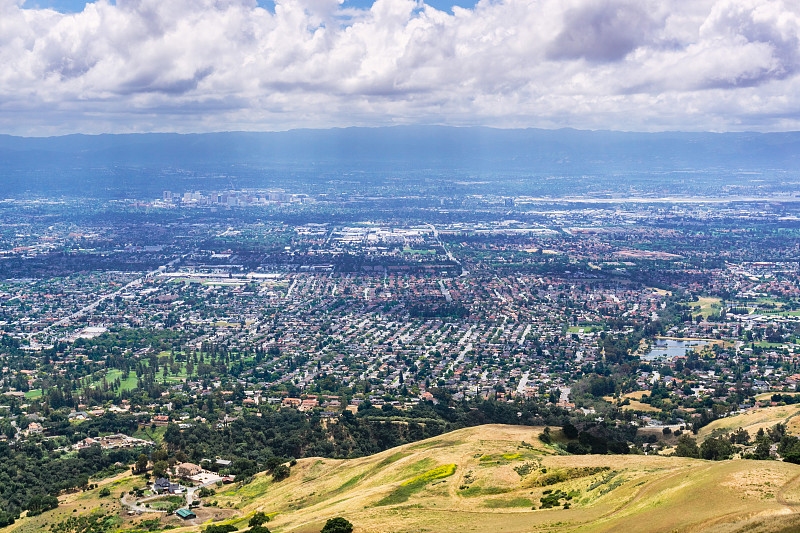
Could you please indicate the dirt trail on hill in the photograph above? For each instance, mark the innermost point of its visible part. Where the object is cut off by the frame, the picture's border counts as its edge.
(648, 489)
(780, 496)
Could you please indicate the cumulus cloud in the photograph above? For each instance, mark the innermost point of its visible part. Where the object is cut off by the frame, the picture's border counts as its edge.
(604, 31)
(764, 33)
(200, 65)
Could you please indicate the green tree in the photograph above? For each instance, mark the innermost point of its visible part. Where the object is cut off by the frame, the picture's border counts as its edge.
(545, 436)
(740, 436)
(272, 463)
(337, 525)
(141, 465)
(789, 448)
(716, 449)
(244, 467)
(280, 473)
(258, 519)
(687, 447)
(160, 455)
(160, 469)
(762, 450)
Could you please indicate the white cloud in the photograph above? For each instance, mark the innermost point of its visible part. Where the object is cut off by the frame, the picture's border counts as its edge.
(198, 65)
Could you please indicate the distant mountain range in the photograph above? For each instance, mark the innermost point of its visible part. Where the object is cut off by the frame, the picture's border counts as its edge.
(40, 164)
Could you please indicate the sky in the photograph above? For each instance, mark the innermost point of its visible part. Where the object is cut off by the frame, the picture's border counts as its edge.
(68, 66)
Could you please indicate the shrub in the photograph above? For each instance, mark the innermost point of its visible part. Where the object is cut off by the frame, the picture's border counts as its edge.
(576, 448)
(280, 473)
(227, 528)
(545, 436)
(550, 500)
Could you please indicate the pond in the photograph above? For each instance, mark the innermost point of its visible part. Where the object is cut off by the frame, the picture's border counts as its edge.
(671, 348)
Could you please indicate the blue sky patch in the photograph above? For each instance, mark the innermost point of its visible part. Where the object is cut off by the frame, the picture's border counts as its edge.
(76, 6)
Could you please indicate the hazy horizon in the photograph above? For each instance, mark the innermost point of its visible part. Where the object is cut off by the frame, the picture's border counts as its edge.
(394, 126)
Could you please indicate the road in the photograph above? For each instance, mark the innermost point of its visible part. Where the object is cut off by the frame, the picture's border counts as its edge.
(524, 335)
(291, 288)
(450, 255)
(460, 357)
(131, 503)
(445, 291)
(523, 382)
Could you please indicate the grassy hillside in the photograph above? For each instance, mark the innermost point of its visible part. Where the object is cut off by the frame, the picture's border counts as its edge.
(494, 478)
(491, 478)
(754, 420)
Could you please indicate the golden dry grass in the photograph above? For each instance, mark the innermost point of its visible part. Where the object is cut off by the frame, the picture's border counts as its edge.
(755, 419)
(633, 493)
